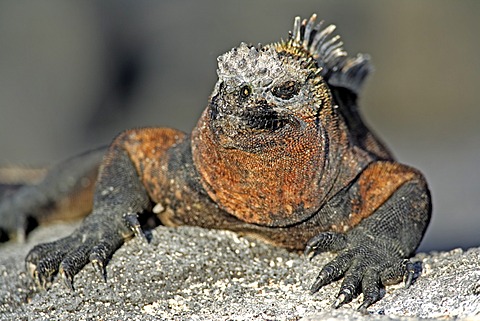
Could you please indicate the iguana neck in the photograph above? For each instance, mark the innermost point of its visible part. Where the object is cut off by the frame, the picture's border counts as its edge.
(277, 185)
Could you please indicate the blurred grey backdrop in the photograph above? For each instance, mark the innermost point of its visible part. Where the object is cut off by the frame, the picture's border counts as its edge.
(73, 74)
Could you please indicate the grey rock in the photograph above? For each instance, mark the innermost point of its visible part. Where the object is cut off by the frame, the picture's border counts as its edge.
(190, 273)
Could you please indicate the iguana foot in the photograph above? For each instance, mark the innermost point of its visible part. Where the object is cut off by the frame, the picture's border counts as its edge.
(93, 242)
(366, 268)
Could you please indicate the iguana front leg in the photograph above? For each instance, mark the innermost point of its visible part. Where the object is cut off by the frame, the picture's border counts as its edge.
(120, 195)
(390, 210)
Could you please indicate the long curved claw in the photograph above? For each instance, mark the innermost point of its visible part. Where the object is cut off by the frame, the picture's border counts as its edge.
(100, 268)
(100, 253)
(350, 285)
(370, 289)
(409, 273)
(30, 268)
(67, 279)
(332, 271)
(325, 276)
(365, 304)
(134, 224)
(39, 280)
(341, 299)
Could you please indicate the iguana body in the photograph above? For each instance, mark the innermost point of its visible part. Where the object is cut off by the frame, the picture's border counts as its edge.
(280, 152)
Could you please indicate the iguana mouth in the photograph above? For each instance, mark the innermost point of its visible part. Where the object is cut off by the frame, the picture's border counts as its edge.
(259, 117)
(262, 119)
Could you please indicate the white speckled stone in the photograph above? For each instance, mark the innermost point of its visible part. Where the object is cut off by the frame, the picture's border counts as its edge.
(195, 274)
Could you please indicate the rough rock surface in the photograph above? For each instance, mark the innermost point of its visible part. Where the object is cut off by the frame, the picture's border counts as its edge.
(190, 273)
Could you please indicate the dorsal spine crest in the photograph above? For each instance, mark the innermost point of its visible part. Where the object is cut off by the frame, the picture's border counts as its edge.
(310, 39)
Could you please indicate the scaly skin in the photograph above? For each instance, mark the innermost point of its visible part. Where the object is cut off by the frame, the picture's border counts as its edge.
(280, 153)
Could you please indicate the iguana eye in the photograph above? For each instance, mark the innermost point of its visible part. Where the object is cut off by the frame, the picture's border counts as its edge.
(286, 90)
(245, 91)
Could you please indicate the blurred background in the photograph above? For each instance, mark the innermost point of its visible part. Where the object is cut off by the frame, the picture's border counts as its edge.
(73, 74)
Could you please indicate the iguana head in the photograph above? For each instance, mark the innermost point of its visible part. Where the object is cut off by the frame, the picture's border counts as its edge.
(267, 142)
(263, 94)
(279, 89)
